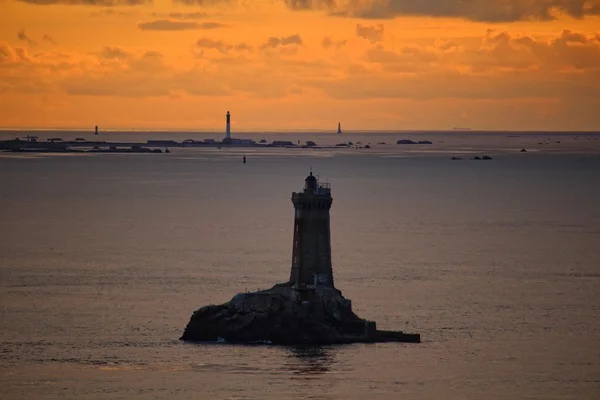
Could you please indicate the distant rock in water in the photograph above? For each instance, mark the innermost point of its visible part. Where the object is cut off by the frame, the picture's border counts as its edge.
(306, 310)
(523, 151)
(408, 141)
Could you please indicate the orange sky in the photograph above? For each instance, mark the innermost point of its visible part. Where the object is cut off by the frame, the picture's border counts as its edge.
(300, 64)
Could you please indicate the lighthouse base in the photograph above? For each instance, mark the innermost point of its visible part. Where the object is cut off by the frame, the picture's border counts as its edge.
(287, 316)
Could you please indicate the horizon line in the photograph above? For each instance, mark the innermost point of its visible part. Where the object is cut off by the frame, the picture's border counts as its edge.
(288, 130)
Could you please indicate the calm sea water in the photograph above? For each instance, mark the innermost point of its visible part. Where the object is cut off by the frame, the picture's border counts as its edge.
(496, 264)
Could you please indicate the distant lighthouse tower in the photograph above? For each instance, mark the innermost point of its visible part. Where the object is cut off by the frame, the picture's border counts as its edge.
(311, 258)
(339, 128)
(228, 127)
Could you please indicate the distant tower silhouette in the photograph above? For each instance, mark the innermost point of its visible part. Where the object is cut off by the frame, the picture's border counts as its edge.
(96, 130)
(339, 128)
(228, 127)
(311, 257)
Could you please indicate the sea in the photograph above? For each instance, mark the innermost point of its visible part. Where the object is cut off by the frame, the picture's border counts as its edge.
(496, 263)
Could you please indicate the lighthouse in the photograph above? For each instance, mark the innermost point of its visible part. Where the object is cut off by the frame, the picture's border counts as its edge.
(306, 310)
(311, 257)
(228, 127)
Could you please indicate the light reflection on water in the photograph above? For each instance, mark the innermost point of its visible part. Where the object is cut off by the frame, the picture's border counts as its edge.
(310, 361)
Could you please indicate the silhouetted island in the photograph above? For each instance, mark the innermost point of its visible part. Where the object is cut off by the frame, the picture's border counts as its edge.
(408, 141)
(306, 310)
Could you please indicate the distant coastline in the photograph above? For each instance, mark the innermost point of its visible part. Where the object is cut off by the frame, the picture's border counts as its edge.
(301, 131)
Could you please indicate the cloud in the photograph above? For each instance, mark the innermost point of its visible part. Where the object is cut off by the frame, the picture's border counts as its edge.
(494, 11)
(140, 74)
(170, 25)
(8, 54)
(373, 33)
(111, 12)
(99, 3)
(328, 42)
(110, 72)
(21, 35)
(475, 10)
(243, 47)
(31, 73)
(48, 38)
(112, 52)
(220, 46)
(497, 53)
(211, 25)
(118, 72)
(568, 51)
(410, 59)
(181, 15)
(274, 42)
(208, 43)
(204, 2)
(501, 66)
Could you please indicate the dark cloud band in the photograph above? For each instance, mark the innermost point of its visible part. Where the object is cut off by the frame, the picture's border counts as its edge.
(170, 25)
(475, 10)
(98, 3)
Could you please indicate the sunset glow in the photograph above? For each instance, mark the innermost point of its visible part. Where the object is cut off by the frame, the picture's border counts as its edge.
(300, 64)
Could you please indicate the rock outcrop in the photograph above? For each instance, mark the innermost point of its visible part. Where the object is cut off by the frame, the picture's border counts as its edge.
(283, 315)
(408, 141)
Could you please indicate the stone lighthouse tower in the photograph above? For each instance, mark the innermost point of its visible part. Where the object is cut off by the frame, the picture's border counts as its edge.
(311, 258)
(228, 126)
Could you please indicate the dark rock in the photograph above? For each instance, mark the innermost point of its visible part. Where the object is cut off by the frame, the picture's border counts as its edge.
(282, 315)
(282, 143)
(408, 141)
